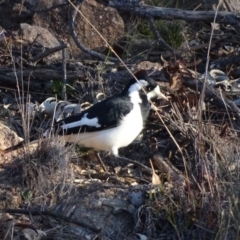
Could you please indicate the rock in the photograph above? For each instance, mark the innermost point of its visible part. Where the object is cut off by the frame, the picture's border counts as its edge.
(38, 34)
(8, 138)
(106, 20)
(41, 36)
(54, 24)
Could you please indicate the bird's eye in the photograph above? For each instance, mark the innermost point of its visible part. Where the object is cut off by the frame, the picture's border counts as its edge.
(149, 88)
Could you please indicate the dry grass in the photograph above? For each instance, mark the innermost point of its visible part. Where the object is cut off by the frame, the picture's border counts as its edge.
(47, 169)
(206, 206)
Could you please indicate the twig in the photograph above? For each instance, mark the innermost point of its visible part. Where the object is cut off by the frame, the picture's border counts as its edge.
(51, 214)
(64, 69)
(228, 6)
(136, 163)
(32, 43)
(202, 96)
(47, 53)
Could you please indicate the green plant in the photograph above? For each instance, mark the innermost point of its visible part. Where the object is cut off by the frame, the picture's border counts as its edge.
(27, 195)
(57, 87)
(170, 31)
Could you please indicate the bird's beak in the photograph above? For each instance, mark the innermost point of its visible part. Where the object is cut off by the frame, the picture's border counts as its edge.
(156, 93)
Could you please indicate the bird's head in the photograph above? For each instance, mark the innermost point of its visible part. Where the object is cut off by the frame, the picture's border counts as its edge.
(146, 85)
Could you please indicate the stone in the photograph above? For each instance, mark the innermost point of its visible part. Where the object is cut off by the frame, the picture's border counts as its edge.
(106, 20)
(38, 34)
(8, 138)
(42, 36)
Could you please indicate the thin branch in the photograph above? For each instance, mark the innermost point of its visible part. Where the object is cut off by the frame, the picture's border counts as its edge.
(64, 69)
(136, 163)
(47, 53)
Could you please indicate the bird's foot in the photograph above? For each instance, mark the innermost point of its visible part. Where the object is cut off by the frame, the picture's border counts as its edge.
(134, 162)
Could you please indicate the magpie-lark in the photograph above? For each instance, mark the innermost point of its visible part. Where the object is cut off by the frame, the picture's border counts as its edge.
(114, 122)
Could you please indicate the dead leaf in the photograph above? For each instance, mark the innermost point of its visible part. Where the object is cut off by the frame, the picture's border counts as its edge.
(175, 81)
(155, 178)
(223, 132)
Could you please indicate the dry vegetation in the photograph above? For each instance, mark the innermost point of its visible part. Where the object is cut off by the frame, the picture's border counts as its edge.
(192, 140)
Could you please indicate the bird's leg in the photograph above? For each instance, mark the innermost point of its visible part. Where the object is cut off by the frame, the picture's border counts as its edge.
(134, 162)
(101, 162)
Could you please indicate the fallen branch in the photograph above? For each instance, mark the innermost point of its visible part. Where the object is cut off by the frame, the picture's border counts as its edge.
(40, 73)
(47, 53)
(146, 11)
(171, 172)
(51, 214)
(45, 74)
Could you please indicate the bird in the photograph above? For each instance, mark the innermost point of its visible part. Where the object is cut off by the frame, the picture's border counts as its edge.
(114, 122)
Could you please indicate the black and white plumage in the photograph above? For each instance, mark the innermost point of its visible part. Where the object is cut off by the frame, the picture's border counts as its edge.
(114, 122)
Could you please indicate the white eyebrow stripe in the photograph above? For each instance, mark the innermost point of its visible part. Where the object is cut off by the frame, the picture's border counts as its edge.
(83, 121)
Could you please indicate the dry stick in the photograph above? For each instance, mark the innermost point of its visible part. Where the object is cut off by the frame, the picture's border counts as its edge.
(202, 96)
(47, 53)
(42, 73)
(208, 60)
(134, 162)
(51, 214)
(229, 7)
(64, 69)
(146, 11)
(169, 132)
(14, 67)
(32, 43)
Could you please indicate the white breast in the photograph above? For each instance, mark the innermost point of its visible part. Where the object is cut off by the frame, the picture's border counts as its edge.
(114, 138)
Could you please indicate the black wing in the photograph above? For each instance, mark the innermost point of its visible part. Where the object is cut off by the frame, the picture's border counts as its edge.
(108, 112)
